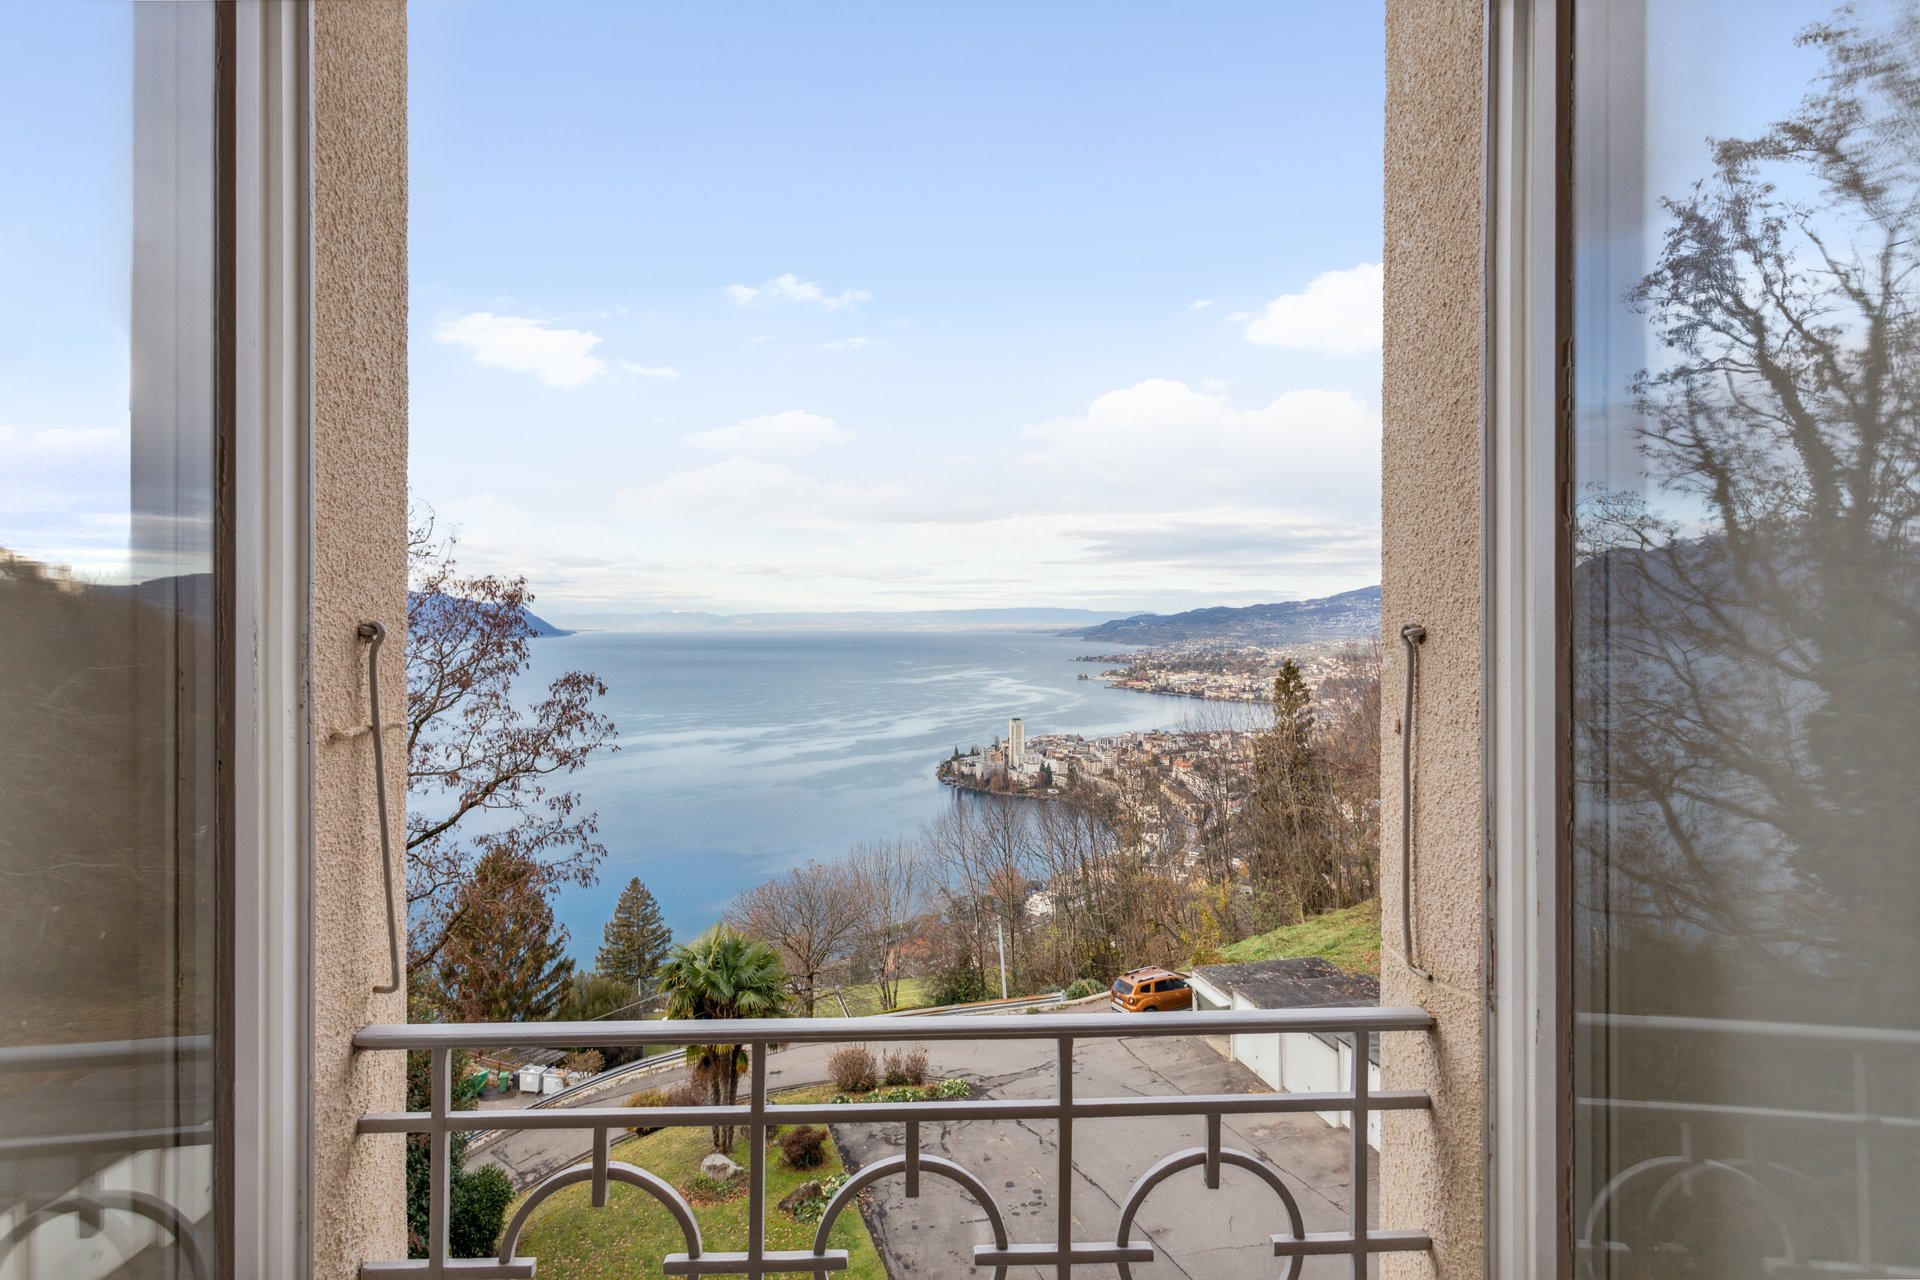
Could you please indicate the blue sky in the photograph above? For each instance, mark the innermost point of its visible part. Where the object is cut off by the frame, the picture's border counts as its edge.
(895, 306)
(880, 306)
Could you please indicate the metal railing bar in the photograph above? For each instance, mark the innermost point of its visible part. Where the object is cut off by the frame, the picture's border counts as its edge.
(602, 1151)
(1739, 1027)
(1177, 1105)
(1063, 1148)
(1212, 1168)
(1357, 1158)
(456, 1269)
(440, 1172)
(780, 1031)
(107, 1140)
(773, 1262)
(757, 1155)
(1731, 1111)
(913, 1159)
(1081, 1253)
(84, 1054)
(1320, 1244)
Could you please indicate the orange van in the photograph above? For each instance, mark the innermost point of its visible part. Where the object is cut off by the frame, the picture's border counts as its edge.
(1150, 991)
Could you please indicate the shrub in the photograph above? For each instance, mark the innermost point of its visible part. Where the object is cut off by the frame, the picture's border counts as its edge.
(853, 1069)
(586, 1061)
(478, 1203)
(646, 1098)
(804, 1147)
(958, 985)
(948, 1090)
(684, 1094)
(906, 1066)
(1082, 988)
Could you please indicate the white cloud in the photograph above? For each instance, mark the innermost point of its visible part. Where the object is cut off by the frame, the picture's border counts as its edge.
(791, 288)
(558, 357)
(648, 371)
(1340, 313)
(63, 497)
(794, 431)
(1200, 304)
(848, 344)
(1163, 442)
(756, 492)
(1239, 316)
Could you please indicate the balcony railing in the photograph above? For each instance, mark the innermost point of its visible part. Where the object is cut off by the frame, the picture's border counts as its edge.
(1794, 1144)
(63, 1135)
(1065, 1109)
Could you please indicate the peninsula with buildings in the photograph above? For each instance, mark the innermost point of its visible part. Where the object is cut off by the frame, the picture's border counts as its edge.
(1169, 784)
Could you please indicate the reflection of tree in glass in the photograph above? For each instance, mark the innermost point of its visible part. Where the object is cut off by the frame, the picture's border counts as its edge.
(1748, 669)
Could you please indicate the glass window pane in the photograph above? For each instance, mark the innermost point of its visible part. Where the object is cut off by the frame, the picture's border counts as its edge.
(109, 807)
(1746, 639)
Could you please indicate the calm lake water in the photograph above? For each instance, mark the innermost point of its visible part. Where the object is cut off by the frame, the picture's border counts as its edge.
(742, 755)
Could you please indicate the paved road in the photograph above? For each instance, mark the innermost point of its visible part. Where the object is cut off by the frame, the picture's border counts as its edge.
(1201, 1235)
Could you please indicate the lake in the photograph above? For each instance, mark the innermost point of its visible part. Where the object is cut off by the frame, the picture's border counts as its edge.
(745, 754)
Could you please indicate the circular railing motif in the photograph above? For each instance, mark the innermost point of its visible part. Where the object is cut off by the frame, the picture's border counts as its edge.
(617, 1171)
(1678, 1175)
(139, 1203)
(1194, 1158)
(932, 1165)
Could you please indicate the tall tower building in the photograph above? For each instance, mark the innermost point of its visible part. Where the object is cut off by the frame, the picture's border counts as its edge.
(1016, 743)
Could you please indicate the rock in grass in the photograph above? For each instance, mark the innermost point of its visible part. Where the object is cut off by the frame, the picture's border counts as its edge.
(720, 1168)
(808, 1190)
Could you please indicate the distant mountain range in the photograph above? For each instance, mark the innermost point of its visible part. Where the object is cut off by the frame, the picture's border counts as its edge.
(540, 626)
(1014, 619)
(537, 626)
(1351, 615)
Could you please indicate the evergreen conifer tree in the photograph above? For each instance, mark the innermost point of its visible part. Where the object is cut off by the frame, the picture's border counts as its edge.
(636, 940)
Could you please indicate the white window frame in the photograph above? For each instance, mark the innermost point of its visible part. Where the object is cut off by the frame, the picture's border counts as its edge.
(272, 522)
(1524, 496)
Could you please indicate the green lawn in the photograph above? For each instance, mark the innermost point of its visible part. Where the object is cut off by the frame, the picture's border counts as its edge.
(628, 1238)
(1349, 938)
(915, 993)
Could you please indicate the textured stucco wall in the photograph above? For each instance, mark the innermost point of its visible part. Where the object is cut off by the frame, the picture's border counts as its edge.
(1432, 1165)
(360, 498)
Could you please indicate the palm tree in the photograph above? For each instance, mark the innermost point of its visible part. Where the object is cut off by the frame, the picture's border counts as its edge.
(723, 974)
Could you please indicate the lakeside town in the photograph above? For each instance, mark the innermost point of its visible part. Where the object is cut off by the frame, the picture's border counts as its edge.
(1216, 670)
(1169, 784)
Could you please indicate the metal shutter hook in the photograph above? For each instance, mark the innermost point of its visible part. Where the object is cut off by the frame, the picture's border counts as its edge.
(1413, 635)
(375, 633)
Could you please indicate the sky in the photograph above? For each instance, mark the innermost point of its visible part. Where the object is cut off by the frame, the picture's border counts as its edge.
(877, 306)
(762, 306)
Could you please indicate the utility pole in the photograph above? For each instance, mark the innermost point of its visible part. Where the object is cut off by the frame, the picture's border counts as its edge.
(1000, 934)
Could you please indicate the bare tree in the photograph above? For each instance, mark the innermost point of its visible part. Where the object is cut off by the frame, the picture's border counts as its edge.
(480, 756)
(887, 877)
(983, 852)
(811, 917)
(1746, 622)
